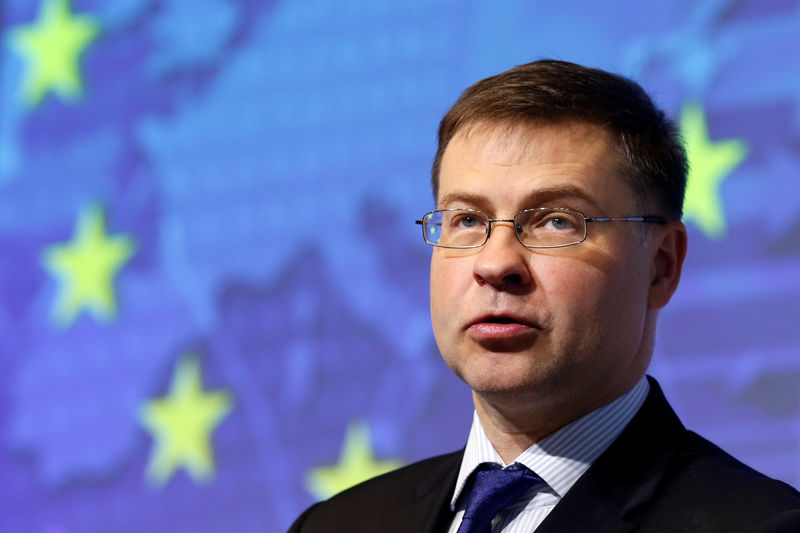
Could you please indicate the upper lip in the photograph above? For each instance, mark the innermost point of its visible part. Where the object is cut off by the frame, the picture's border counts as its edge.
(503, 316)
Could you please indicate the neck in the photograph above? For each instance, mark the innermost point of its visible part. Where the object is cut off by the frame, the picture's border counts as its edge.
(512, 431)
(513, 427)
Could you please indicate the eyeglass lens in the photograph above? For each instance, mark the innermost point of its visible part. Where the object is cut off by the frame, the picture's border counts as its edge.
(534, 227)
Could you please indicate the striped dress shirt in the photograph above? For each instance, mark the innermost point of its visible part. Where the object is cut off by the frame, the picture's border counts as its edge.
(559, 459)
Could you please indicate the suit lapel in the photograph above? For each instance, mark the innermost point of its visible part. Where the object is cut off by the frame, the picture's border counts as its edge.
(580, 513)
(430, 512)
(624, 477)
(604, 500)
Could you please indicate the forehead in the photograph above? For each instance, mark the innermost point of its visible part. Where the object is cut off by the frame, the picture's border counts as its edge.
(511, 163)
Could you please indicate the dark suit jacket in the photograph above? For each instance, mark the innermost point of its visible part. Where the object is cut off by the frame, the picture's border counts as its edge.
(655, 477)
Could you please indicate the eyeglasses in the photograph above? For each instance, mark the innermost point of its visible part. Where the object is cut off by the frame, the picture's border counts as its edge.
(542, 227)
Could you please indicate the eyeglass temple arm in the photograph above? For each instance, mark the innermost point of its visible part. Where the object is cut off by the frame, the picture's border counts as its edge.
(650, 219)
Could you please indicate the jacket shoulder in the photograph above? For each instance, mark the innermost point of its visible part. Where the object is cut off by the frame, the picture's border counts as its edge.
(706, 489)
(722, 482)
(658, 476)
(368, 504)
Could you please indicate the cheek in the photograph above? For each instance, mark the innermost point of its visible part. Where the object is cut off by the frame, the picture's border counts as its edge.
(442, 288)
(595, 307)
(567, 283)
(578, 297)
(450, 291)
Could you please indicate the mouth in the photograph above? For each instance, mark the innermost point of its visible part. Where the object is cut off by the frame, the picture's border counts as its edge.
(503, 318)
(501, 326)
(500, 320)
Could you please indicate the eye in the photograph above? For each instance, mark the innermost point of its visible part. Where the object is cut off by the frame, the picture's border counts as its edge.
(550, 227)
(552, 221)
(560, 223)
(468, 221)
(462, 221)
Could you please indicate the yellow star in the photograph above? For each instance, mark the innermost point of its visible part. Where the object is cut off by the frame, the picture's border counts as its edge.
(709, 164)
(356, 464)
(85, 268)
(181, 424)
(52, 47)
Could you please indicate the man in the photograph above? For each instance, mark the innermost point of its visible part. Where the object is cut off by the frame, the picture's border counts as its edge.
(557, 239)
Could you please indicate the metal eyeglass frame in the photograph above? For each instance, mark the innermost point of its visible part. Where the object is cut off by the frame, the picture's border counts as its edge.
(647, 219)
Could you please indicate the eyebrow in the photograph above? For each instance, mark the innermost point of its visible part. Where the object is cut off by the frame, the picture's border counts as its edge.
(533, 199)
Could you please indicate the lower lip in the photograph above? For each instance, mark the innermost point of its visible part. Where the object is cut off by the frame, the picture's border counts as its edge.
(494, 330)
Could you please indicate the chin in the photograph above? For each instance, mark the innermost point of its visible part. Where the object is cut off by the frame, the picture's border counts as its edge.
(503, 382)
(519, 374)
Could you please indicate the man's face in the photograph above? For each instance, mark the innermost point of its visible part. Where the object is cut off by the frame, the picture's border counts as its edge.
(548, 326)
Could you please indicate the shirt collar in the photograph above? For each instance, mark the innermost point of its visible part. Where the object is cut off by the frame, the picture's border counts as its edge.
(563, 456)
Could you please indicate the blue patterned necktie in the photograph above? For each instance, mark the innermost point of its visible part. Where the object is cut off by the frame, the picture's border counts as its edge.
(493, 490)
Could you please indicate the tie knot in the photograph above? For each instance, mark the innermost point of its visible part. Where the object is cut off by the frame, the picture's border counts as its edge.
(493, 489)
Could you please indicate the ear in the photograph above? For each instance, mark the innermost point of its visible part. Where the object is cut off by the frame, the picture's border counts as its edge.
(669, 244)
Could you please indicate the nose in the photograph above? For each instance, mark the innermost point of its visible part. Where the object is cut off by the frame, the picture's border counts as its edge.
(503, 262)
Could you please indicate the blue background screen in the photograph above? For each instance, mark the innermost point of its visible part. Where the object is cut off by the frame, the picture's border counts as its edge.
(213, 297)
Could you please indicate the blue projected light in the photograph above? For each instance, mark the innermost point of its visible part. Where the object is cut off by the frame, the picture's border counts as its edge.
(183, 190)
